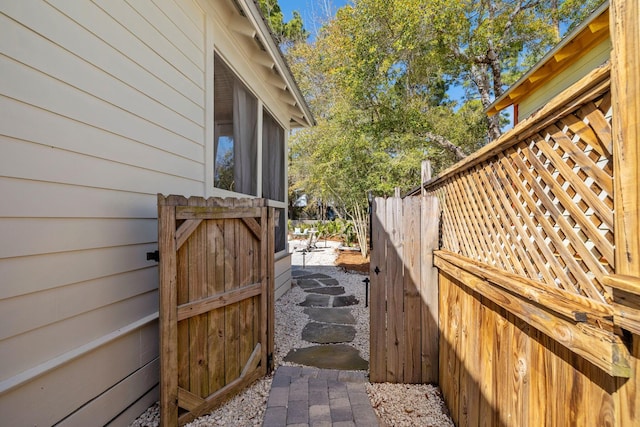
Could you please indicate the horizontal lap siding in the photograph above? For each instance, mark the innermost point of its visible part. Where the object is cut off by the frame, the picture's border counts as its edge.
(102, 106)
(282, 276)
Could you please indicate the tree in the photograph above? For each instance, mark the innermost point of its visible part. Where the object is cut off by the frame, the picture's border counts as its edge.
(286, 33)
(377, 79)
(489, 43)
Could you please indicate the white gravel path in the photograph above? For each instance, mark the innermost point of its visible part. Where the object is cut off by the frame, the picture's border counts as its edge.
(395, 404)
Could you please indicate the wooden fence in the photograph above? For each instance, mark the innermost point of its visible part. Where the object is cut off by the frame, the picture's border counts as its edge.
(536, 327)
(216, 301)
(538, 264)
(404, 291)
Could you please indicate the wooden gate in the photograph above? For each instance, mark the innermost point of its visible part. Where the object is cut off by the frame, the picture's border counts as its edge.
(404, 290)
(216, 301)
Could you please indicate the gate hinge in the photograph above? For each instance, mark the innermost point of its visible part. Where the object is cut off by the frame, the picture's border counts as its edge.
(153, 256)
(269, 361)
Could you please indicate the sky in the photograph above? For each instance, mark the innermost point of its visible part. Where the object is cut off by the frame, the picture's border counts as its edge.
(311, 11)
(312, 15)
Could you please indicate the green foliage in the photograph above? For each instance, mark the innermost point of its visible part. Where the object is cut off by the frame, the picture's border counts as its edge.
(376, 79)
(286, 33)
(339, 228)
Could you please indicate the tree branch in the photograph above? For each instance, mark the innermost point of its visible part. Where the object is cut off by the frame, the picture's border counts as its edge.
(446, 144)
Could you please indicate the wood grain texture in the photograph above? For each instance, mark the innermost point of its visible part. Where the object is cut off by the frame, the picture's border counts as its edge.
(219, 314)
(602, 348)
(429, 290)
(377, 326)
(625, 27)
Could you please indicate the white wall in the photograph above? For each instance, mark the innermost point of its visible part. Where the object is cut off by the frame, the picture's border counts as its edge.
(103, 104)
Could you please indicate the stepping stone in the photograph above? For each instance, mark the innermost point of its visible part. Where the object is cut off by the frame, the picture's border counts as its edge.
(331, 315)
(307, 283)
(331, 290)
(329, 282)
(317, 276)
(298, 273)
(314, 300)
(344, 301)
(330, 356)
(324, 333)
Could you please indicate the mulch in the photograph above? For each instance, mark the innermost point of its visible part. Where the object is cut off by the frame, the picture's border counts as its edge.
(353, 261)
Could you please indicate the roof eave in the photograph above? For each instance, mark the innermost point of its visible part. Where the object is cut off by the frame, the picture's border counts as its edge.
(282, 67)
(503, 100)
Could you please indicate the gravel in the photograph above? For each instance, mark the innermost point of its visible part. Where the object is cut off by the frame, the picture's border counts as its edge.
(395, 404)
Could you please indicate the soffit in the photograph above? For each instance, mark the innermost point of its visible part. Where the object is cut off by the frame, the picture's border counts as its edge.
(575, 45)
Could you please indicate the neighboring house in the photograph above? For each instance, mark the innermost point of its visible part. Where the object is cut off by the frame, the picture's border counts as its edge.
(104, 104)
(582, 50)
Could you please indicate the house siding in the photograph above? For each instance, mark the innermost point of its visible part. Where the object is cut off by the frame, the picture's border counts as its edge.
(102, 106)
(593, 58)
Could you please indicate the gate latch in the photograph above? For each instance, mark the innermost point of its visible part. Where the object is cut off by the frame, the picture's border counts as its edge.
(153, 256)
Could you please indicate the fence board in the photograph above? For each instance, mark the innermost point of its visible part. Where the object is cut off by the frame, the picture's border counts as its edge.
(412, 278)
(378, 318)
(430, 219)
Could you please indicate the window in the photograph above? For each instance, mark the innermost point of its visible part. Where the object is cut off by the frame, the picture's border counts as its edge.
(273, 187)
(235, 120)
(272, 158)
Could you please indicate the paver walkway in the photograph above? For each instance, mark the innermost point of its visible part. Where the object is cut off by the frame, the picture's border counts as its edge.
(306, 396)
(329, 390)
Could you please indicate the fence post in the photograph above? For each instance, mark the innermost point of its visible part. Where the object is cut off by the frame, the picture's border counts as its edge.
(625, 63)
(426, 175)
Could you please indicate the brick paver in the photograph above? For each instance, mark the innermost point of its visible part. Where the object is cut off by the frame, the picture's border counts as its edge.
(318, 397)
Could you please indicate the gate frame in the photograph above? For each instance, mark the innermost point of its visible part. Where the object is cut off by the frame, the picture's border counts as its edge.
(404, 290)
(170, 238)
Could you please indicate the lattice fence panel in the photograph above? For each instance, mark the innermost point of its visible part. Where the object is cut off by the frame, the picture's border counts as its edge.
(542, 208)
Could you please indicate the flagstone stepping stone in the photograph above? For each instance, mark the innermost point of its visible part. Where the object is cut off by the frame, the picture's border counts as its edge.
(344, 301)
(329, 356)
(308, 283)
(329, 282)
(325, 333)
(331, 290)
(315, 300)
(317, 276)
(299, 273)
(331, 315)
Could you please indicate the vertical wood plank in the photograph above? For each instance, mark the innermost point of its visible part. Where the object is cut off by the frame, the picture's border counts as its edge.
(452, 361)
(429, 228)
(412, 278)
(377, 310)
(197, 266)
(462, 355)
(184, 371)
(538, 395)
(444, 347)
(472, 362)
(625, 27)
(395, 292)
(425, 174)
(267, 274)
(168, 316)
(246, 306)
(231, 314)
(519, 367)
(487, 346)
(215, 280)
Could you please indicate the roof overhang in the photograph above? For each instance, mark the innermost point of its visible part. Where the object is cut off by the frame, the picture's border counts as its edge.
(280, 74)
(594, 30)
